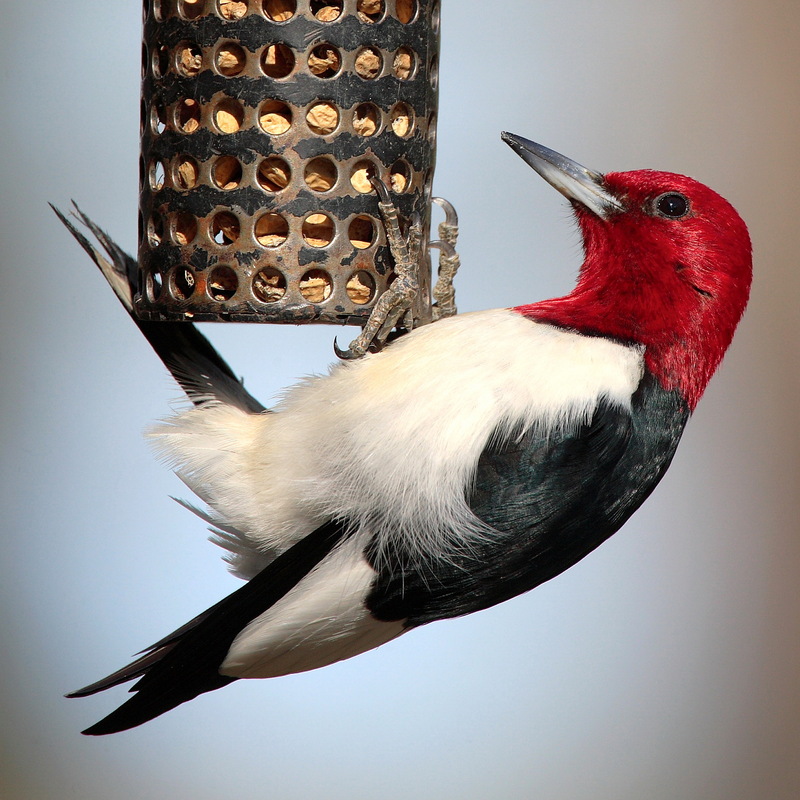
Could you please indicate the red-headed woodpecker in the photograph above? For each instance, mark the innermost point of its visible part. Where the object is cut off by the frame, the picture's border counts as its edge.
(466, 463)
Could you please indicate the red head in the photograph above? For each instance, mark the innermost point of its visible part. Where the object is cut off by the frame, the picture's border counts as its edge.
(667, 265)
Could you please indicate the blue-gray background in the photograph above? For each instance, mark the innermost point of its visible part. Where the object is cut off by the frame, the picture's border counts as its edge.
(666, 665)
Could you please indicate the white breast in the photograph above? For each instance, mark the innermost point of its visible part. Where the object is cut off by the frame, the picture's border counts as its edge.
(390, 442)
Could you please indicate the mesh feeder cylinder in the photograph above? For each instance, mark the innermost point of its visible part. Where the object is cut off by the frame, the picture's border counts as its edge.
(262, 125)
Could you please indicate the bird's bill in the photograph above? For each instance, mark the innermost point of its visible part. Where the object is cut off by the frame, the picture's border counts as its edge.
(575, 182)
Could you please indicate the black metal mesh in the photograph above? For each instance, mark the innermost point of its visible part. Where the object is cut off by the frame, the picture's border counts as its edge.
(261, 123)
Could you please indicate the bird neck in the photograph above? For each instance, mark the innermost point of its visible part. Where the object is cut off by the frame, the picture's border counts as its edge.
(677, 362)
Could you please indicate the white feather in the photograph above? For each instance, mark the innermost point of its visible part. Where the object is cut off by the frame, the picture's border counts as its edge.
(390, 442)
(322, 620)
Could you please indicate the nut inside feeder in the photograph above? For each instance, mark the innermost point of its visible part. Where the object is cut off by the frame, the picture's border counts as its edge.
(264, 125)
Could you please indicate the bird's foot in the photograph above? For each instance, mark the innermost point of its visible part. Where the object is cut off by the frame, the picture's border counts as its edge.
(444, 294)
(394, 304)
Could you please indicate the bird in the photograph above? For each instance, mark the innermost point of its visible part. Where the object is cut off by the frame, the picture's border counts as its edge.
(467, 462)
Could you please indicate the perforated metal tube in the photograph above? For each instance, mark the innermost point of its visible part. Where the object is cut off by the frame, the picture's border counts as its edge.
(262, 122)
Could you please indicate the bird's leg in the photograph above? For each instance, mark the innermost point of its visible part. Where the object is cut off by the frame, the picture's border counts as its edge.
(444, 294)
(395, 302)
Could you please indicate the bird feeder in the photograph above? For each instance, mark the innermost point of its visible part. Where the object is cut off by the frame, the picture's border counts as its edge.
(264, 125)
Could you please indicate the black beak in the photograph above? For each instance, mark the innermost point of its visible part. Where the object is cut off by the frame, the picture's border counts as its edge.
(575, 182)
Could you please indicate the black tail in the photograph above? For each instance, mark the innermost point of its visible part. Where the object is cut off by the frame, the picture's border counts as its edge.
(186, 663)
(199, 369)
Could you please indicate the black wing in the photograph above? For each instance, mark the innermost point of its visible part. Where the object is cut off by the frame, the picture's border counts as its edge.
(549, 501)
(194, 363)
(186, 663)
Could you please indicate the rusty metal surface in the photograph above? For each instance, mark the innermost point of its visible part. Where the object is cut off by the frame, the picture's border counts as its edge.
(258, 116)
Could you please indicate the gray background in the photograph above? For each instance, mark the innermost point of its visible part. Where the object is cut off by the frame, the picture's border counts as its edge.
(663, 666)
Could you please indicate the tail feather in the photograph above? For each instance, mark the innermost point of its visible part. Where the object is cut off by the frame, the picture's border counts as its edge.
(133, 670)
(186, 663)
(194, 363)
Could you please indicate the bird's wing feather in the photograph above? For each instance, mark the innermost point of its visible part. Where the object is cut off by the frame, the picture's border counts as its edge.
(194, 363)
(186, 663)
(550, 500)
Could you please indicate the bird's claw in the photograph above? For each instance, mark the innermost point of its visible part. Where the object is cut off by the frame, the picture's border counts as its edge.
(444, 294)
(448, 230)
(394, 304)
(355, 350)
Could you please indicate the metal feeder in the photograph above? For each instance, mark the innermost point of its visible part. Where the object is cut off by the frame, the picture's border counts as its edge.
(263, 124)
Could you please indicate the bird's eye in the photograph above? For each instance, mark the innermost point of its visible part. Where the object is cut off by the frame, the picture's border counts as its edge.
(672, 205)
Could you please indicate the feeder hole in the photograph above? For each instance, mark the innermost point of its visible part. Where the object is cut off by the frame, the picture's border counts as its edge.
(153, 286)
(229, 115)
(227, 173)
(406, 10)
(190, 59)
(360, 287)
(432, 130)
(360, 176)
(158, 118)
(222, 283)
(403, 63)
(402, 120)
(275, 117)
(225, 228)
(160, 61)
(187, 117)
(318, 230)
(369, 10)
(191, 9)
(399, 177)
(322, 118)
(155, 230)
(316, 286)
(366, 119)
(269, 285)
(184, 228)
(433, 72)
(277, 61)
(369, 63)
(279, 10)
(182, 283)
(273, 174)
(232, 9)
(157, 175)
(324, 61)
(361, 232)
(231, 59)
(320, 174)
(271, 230)
(186, 173)
(158, 12)
(326, 10)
